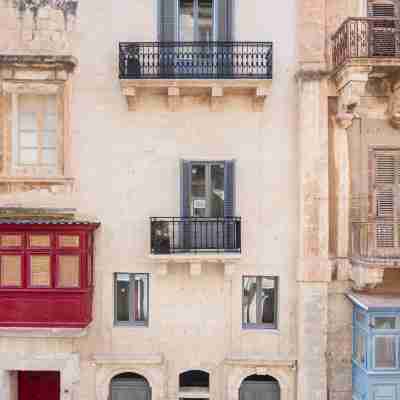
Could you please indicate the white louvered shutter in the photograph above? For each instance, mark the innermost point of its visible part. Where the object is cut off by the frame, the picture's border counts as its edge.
(386, 195)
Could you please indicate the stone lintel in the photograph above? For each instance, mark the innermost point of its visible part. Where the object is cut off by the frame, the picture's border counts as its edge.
(128, 359)
(260, 362)
(196, 262)
(314, 269)
(366, 277)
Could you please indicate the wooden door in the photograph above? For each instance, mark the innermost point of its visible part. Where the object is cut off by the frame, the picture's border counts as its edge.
(38, 385)
(130, 389)
(259, 391)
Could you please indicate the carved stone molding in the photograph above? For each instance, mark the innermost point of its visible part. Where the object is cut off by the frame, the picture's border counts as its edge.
(351, 83)
(394, 105)
(366, 277)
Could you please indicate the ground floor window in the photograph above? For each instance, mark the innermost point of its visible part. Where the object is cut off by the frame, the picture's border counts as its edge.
(194, 384)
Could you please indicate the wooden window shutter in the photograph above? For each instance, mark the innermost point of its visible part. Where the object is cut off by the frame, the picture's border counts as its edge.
(225, 20)
(376, 9)
(229, 189)
(386, 195)
(167, 20)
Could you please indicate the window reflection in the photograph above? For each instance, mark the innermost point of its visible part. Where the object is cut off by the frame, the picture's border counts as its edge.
(385, 352)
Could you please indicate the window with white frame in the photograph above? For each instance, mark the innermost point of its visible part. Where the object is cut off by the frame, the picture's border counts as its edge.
(36, 135)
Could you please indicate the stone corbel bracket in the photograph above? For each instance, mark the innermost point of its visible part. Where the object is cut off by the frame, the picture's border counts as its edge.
(196, 262)
(351, 83)
(366, 277)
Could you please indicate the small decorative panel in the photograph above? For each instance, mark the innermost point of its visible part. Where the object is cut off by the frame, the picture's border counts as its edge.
(68, 241)
(39, 240)
(68, 271)
(11, 240)
(10, 272)
(40, 270)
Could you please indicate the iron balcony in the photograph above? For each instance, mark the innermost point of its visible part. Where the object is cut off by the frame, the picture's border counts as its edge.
(195, 235)
(363, 38)
(195, 60)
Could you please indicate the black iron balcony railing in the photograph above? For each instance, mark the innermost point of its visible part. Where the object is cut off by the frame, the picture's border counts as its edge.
(195, 60)
(366, 38)
(376, 241)
(195, 235)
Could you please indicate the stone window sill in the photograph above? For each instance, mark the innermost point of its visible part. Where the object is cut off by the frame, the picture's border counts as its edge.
(43, 332)
(31, 179)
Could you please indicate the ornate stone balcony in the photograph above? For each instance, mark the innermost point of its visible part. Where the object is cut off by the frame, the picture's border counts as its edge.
(179, 69)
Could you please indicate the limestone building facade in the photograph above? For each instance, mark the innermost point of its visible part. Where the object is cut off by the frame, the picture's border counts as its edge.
(199, 199)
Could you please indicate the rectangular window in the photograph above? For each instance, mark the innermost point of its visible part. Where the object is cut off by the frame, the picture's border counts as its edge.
(385, 351)
(10, 270)
(131, 299)
(40, 270)
(36, 138)
(260, 294)
(385, 322)
(68, 271)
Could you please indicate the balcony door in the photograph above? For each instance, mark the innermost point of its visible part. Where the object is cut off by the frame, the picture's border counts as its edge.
(207, 190)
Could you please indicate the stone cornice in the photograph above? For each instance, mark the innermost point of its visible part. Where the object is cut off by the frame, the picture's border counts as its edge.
(65, 62)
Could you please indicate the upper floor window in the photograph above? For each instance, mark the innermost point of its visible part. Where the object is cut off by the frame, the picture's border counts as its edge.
(36, 134)
(195, 20)
(260, 294)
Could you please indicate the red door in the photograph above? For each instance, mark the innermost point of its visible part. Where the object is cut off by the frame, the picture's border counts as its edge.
(38, 385)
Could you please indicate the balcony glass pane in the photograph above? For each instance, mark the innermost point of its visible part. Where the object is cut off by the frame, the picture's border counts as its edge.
(68, 271)
(186, 20)
(122, 297)
(205, 20)
(40, 270)
(10, 271)
(267, 301)
(11, 240)
(385, 352)
(249, 300)
(39, 240)
(385, 322)
(198, 193)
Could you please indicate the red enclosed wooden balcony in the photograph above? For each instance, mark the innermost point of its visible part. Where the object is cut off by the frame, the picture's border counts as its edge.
(46, 272)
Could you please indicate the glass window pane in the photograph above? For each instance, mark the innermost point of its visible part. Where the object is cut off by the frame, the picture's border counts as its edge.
(385, 352)
(267, 301)
(385, 322)
(249, 300)
(28, 156)
(217, 190)
(205, 20)
(140, 301)
(49, 139)
(27, 121)
(186, 20)
(50, 104)
(40, 270)
(68, 240)
(11, 240)
(10, 271)
(68, 271)
(50, 122)
(359, 347)
(122, 297)
(39, 241)
(49, 156)
(28, 139)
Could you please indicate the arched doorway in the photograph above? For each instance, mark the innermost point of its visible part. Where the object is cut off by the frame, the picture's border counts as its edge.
(259, 387)
(194, 384)
(129, 386)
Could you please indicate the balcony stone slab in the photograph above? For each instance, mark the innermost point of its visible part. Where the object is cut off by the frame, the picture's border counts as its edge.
(196, 262)
(215, 90)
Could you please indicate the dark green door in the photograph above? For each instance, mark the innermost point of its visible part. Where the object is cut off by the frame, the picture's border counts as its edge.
(127, 388)
(259, 391)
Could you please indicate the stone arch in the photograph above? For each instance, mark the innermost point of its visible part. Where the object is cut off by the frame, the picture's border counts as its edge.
(104, 377)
